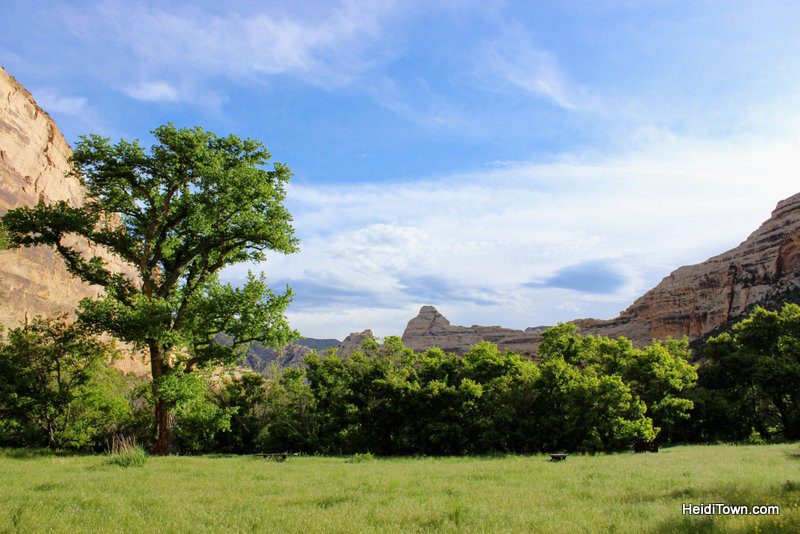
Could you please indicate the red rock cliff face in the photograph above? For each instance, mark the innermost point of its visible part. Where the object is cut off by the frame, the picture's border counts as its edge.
(693, 301)
(34, 160)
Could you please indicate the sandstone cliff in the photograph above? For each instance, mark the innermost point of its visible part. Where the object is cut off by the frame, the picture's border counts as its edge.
(693, 301)
(34, 160)
(698, 299)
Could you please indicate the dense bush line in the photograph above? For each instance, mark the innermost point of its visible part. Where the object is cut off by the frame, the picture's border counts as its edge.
(584, 393)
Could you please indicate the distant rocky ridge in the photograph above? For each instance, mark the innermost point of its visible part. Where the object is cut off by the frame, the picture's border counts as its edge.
(431, 328)
(693, 301)
(260, 358)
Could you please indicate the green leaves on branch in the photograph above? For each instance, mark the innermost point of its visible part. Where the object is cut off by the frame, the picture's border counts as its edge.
(252, 312)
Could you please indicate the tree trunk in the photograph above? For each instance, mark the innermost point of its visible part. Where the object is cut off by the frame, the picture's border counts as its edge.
(162, 414)
(164, 428)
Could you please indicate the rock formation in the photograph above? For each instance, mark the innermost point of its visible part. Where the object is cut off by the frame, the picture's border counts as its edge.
(353, 342)
(693, 301)
(431, 328)
(697, 300)
(34, 160)
(261, 358)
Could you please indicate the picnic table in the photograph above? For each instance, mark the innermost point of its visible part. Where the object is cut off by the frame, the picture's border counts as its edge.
(645, 446)
(276, 456)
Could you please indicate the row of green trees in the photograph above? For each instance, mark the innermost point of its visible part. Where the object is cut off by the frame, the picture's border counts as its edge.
(584, 393)
(749, 381)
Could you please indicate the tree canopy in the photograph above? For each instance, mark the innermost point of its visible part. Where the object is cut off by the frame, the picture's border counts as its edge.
(55, 390)
(751, 383)
(179, 213)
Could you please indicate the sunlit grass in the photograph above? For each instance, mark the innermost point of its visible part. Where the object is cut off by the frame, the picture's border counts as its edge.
(618, 492)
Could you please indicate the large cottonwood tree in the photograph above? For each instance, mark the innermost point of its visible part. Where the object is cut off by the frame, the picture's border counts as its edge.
(179, 213)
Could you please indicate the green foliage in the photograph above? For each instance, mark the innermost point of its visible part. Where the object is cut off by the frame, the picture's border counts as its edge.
(386, 399)
(244, 398)
(4, 240)
(752, 380)
(179, 213)
(197, 417)
(55, 390)
(755, 438)
(288, 416)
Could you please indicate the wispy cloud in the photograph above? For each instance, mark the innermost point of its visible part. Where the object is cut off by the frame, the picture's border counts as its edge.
(419, 104)
(512, 60)
(323, 44)
(155, 91)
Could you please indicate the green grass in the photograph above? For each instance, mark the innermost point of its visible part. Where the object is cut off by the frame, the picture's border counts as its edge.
(618, 492)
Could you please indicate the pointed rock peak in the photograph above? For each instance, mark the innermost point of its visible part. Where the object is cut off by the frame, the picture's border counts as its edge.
(429, 314)
(428, 320)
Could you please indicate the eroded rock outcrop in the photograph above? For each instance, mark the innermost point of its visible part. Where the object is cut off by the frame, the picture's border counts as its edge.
(431, 328)
(697, 300)
(353, 342)
(693, 301)
(34, 160)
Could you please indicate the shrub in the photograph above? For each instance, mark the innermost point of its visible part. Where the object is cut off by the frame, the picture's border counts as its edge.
(361, 457)
(54, 387)
(124, 452)
(755, 438)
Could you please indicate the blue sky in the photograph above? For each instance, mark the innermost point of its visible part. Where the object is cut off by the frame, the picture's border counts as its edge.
(514, 163)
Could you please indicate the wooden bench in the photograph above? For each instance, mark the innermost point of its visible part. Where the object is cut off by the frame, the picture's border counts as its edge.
(645, 446)
(557, 457)
(276, 456)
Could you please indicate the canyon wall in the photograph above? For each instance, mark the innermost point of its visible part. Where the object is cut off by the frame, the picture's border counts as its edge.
(34, 161)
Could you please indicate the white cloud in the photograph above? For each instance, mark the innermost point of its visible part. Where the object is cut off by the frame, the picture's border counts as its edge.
(470, 243)
(55, 102)
(155, 91)
(324, 44)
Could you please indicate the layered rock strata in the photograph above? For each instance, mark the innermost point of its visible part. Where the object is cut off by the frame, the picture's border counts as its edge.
(697, 300)
(34, 161)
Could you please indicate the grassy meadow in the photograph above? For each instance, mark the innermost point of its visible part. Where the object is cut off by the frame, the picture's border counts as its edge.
(622, 492)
